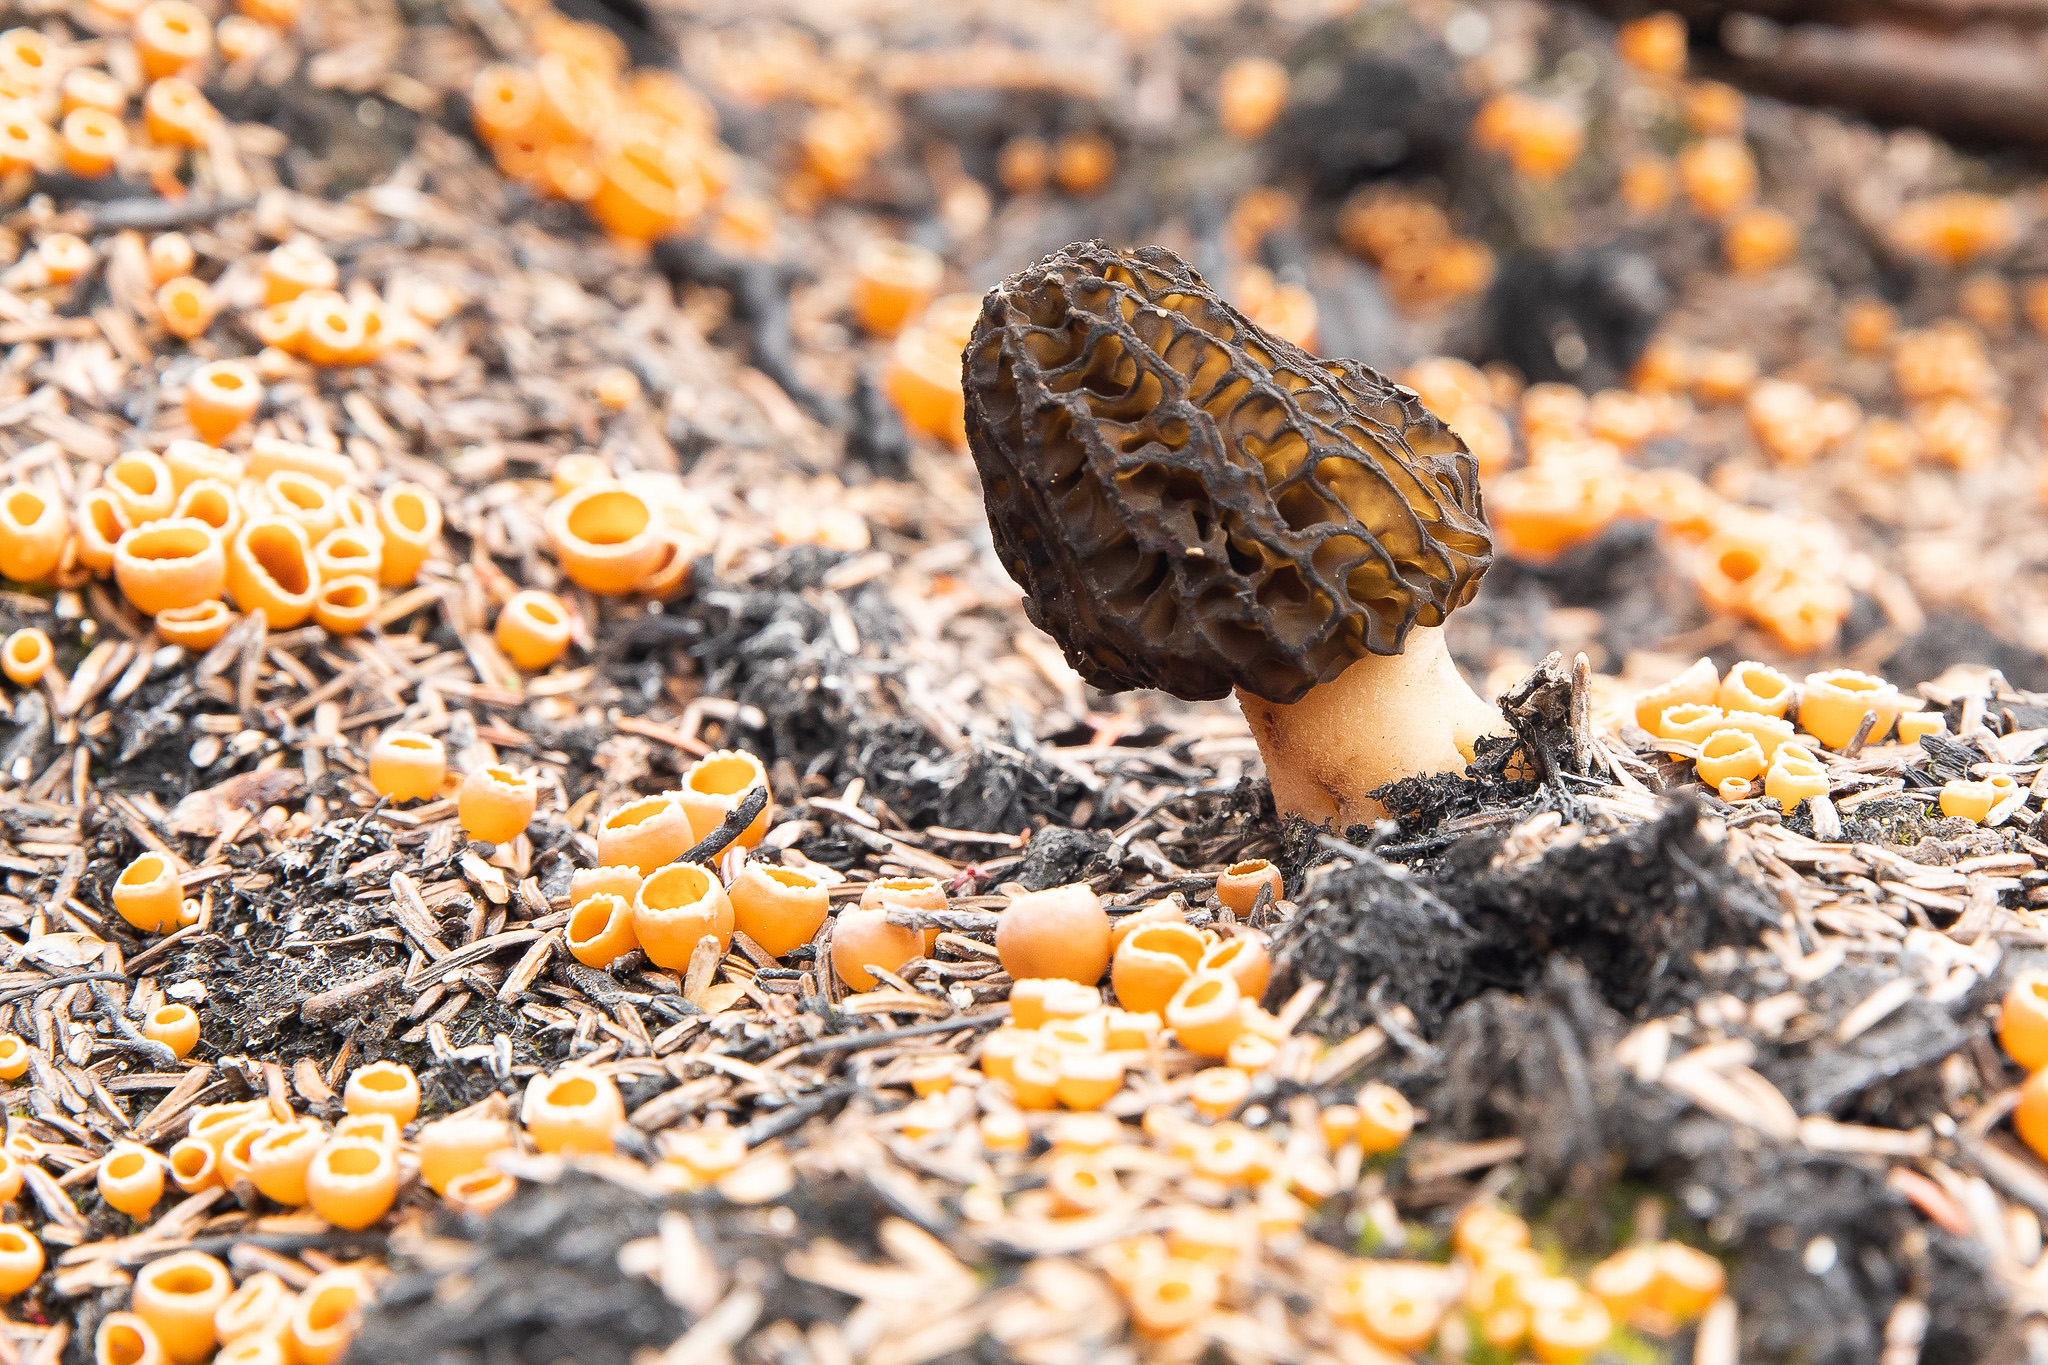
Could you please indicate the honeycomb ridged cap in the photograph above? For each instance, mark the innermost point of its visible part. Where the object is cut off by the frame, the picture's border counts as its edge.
(1193, 505)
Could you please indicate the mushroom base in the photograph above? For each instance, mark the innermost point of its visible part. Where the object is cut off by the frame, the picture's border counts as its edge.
(1384, 718)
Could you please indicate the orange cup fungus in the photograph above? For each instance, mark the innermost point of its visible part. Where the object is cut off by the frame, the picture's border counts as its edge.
(140, 482)
(192, 461)
(646, 190)
(1718, 175)
(496, 804)
(175, 114)
(479, 1192)
(1244, 959)
(1152, 963)
(262, 1303)
(606, 536)
(504, 101)
(1759, 239)
(892, 283)
(600, 928)
(2030, 1116)
(325, 1314)
(88, 87)
(171, 256)
(281, 1157)
(147, 894)
(383, 1088)
(33, 529)
(21, 1259)
(1655, 45)
(213, 502)
(170, 564)
(352, 1182)
(1570, 1330)
(177, 1296)
(376, 1127)
(410, 518)
(406, 765)
(677, 906)
(923, 379)
(2023, 1021)
(199, 627)
(25, 656)
(221, 396)
(90, 141)
(175, 1025)
(645, 834)
(1385, 1118)
(304, 499)
(585, 882)
(1240, 885)
(574, 1109)
(186, 307)
(1728, 754)
(713, 787)
(1832, 706)
(25, 140)
(297, 267)
(1913, 726)
(131, 1179)
(170, 36)
(1059, 932)
(533, 629)
(125, 1339)
(779, 908)
(1690, 722)
(864, 938)
(914, 893)
(1205, 1014)
(1962, 798)
(350, 551)
(1024, 165)
(459, 1145)
(1541, 511)
(1751, 686)
(1250, 96)
(1794, 775)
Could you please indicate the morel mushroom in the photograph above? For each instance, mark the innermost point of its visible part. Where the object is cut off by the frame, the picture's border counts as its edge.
(1193, 505)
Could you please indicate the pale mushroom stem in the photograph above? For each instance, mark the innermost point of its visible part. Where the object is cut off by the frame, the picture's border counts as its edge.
(1384, 718)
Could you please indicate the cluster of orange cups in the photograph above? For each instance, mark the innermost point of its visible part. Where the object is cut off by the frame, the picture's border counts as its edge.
(1064, 1047)
(896, 294)
(1258, 1196)
(1716, 170)
(279, 530)
(1517, 1302)
(1740, 729)
(1421, 259)
(305, 312)
(641, 895)
(893, 296)
(1540, 138)
(1780, 573)
(187, 1306)
(58, 111)
(640, 152)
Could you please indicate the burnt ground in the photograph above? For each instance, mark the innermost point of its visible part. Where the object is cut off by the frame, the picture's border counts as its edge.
(1823, 1247)
(1624, 1008)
